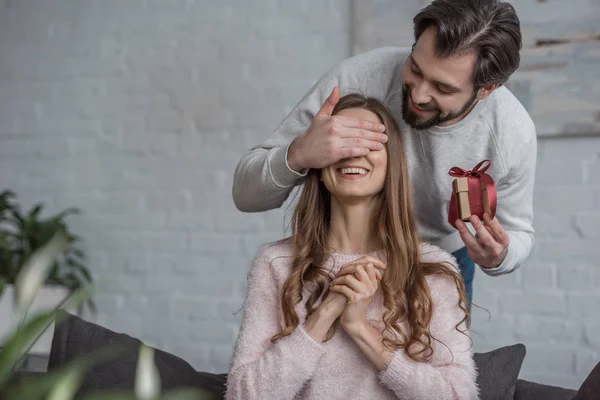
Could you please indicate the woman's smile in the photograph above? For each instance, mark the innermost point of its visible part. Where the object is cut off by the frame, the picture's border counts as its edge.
(352, 172)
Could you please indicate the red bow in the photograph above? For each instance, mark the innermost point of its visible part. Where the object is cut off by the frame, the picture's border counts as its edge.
(459, 172)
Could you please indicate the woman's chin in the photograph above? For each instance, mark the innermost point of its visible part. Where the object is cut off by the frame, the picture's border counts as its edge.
(353, 197)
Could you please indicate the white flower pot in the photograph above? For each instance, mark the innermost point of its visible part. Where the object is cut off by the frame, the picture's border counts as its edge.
(47, 299)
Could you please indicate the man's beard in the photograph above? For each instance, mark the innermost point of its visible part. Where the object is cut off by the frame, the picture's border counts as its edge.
(414, 121)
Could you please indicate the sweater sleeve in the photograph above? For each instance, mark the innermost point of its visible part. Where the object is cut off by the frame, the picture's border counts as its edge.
(262, 179)
(262, 369)
(450, 374)
(515, 191)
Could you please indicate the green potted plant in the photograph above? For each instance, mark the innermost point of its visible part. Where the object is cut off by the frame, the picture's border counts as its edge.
(64, 383)
(22, 233)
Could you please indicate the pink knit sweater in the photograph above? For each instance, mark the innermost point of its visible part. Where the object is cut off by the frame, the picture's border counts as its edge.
(298, 367)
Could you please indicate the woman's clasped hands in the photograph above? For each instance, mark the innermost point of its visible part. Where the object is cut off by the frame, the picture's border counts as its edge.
(358, 282)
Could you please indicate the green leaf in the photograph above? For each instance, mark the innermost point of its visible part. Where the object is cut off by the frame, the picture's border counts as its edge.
(147, 378)
(82, 295)
(77, 253)
(37, 387)
(35, 271)
(91, 306)
(83, 271)
(4, 240)
(35, 212)
(78, 297)
(32, 387)
(20, 341)
(6, 194)
(18, 218)
(75, 238)
(60, 216)
(67, 385)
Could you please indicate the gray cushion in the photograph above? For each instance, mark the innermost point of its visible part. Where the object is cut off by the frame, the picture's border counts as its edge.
(498, 371)
(535, 391)
(74, 337)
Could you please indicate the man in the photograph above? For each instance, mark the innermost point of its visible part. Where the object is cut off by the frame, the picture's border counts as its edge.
(455, 111)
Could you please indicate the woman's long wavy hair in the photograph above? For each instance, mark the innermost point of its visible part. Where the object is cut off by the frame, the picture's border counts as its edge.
(405, 291)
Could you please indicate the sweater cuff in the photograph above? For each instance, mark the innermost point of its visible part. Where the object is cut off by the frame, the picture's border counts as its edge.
(281, 173)
(397, 374)
(303, 345)
(509, 264)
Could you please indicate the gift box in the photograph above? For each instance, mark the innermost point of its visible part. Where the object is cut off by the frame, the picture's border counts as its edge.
(473, 193)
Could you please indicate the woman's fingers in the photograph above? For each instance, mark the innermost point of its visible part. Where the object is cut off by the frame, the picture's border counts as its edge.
(369, 259)
(363, 275)
(346, 291)
(359, 282)
(349, 280)
(367, 262)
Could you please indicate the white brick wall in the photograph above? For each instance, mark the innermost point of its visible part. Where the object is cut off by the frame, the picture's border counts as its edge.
(137, 112)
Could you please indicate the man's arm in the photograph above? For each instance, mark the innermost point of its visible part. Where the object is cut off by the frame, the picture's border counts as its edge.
(515, 199)
(309, 137)
(263, 179)
(502, 244)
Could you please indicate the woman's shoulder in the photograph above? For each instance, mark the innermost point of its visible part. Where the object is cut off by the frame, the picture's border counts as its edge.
(431, 253)
(272, 250)
(273, 258)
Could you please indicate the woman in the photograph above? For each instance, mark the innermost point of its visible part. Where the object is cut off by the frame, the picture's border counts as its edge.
(353, 305)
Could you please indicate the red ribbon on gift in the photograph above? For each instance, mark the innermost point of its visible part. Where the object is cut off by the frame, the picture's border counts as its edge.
(477, 203)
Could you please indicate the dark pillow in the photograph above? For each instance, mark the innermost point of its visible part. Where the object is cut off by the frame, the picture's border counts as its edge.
(498, 371)
(536, 391)
(590, 388)
(74, 337)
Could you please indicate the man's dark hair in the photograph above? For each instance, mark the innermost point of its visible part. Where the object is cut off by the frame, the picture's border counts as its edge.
(491, 28)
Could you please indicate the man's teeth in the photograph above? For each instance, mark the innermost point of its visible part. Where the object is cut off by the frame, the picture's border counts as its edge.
(360, 171)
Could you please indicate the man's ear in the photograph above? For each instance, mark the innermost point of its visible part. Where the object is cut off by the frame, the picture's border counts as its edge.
(485, 91)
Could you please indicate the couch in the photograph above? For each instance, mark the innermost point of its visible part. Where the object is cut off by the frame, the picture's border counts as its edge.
(498, 370)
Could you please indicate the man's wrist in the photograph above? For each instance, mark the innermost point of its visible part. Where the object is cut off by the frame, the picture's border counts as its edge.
(293, 161)
(498, 262)
(510, 263)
